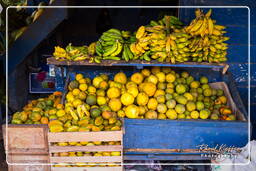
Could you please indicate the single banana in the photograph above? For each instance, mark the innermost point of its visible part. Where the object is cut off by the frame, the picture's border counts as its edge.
(210, 26)
(118, 50)
(197, 26)
(111, 50)
(133, 49)
(92, 48)
(140, 32)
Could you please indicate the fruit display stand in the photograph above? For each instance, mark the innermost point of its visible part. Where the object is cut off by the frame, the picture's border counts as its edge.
(86, 137)
(147, 139)
(26, 144)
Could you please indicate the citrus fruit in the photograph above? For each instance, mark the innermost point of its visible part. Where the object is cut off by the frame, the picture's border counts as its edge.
(103, 85)
(152, 79)
(95, 112)
(142, 109)
(133, 90)
(146, 72)
(223, 99)
(91, 99)
(190, 106)
(113, 92)
(203, 80)
(98, 121)
(207, 92)
(194, 84)
(131, 84)
(171, 114)
(83, 87)
(180, 108)
(91, 90)
(121, 114)
(151, 114)
(160, 76)
(137, 78)
(149, 88)
(106, 114)
(180, 89)
(44, 120)
(100, 92)
(104, 76)
(120, 78)
(189, 80)
(185, 74)
(142, 99)
(132, 111)
(181, 116)
(115, 104)
(76, 92)
(96, 81)
(160, 99)
(79, 76)
(220, 92)
(205, 86)
(194, 114)
(214, 116)
(161, 108)
(152, 104)
(82, 81)
(169, 90)
(166, 70)
(127, 99)
(171, 103)
(170, 78)
(188, 96)
(204, 114)
(161, 85)
(168, 96)
(159, 92)
(181, 99)
(82, 96)
(161, 116)
(101, 100)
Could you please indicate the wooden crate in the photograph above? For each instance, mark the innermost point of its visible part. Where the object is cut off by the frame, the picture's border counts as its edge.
(25, 139)
(21, 162)
(86, 136)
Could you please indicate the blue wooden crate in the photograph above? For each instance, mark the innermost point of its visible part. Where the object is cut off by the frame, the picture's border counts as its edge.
(153, 139)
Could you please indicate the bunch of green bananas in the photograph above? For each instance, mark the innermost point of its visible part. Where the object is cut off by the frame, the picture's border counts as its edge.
(177, 46)
(209, 48)
(73, 53)
(110, 44)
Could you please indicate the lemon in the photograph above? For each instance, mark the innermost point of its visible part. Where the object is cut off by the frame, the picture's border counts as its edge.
(171, 114)
(115, 153)
(113, 92)
(146, 72)
(127, 99)
(70, 97)
(160, 99)
(152, 104)
(133, 90)
(204, 114)
(83, 87)
(79, 77)
(185, 74)
(120, 78)
(188, 96)
(180, 88)
(223, 99)
(103, 85)
(170, 78)
(115, 104)
(203, 80)
(132, 111)
(171, 103)
(149, 88)
(96, 81)
(160, 76)
(155, 70)
(76, 92)
(181, 116)
(180, 108)
(82, 96)
(190, 106)
(207, 92)
(152, 79)
(142, 99)
(143, 110)
(137, 78)
(121, 114)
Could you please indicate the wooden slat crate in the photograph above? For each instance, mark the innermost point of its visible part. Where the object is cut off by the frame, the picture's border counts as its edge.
(26, 139)
(21, 162)
(103, 136)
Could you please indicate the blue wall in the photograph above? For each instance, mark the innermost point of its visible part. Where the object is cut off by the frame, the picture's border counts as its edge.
(236, 20)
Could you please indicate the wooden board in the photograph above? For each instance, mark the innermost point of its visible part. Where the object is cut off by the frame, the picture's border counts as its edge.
(85, 136)
(98, 159)
(86, 169)
(22, 162)
(25, 139)
(57, 149)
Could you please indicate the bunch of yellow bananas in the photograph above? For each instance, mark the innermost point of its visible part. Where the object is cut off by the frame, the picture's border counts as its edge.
(207, 43)
(60, 53)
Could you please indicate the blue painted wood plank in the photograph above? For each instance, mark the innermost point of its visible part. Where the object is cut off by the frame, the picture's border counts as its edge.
(253, 114)
(139, 156)
(249, 3)
(237, 34)
(183, 134)
(238, 53)
(239, 71)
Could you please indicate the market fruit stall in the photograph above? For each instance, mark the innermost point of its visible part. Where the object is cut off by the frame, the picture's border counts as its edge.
(157, 106)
